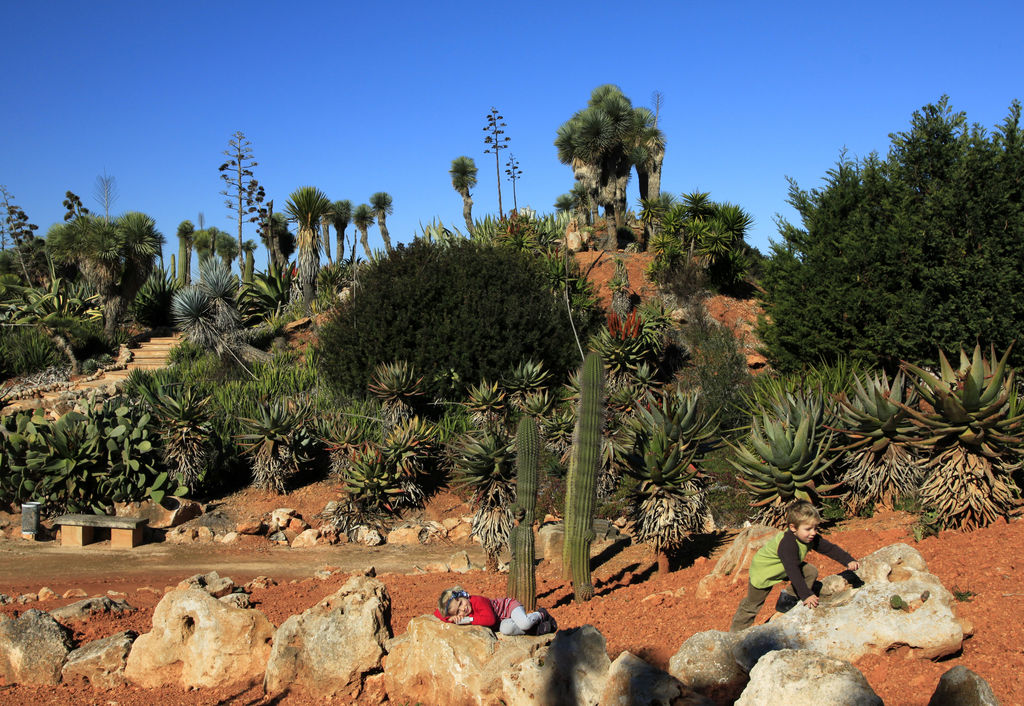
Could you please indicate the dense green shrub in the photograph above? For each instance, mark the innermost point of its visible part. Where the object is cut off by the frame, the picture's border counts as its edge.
(900, 256)
(24, 350)
(457, 314)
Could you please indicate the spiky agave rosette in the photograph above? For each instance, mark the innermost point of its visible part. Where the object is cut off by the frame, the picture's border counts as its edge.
(971, 431)
(785, 455)
(884, 466)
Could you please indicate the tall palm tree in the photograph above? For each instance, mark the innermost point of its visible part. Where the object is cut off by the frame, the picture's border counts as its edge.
(341, 216)
(380, 202)
(115, 257)
(362, 218)
(306, 207)
(463, 173)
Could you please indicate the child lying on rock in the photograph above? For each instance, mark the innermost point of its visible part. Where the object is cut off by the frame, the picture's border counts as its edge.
(456, 606)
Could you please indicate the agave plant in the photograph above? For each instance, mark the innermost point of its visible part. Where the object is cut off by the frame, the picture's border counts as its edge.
(884, 466)
(785, 454)
(970, 429)
(278, 444)
(185, 429)
(267, 295)
(372, 481)
(558, 429)
(408, 448)
(484, 465)
(398, 389)
(153, 302)
(486, 404)
(527, 377)
(540, 403)
(670, 501)
(342, 437)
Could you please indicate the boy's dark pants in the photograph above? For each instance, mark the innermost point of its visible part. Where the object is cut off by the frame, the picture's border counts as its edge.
(749, 606)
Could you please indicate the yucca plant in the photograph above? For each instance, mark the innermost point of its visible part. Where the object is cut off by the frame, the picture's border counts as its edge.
(785, 455)
(484, 465)
(266, 295)
(397, 387)
(277, 443)
(153, 302)
(670, 501)
(883, 466)
(486, 404)
(971, 431)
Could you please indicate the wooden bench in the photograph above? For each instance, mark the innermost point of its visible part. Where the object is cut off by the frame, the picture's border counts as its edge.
(77, 530)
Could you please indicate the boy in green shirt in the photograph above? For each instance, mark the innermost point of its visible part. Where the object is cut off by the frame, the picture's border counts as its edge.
(783, 557)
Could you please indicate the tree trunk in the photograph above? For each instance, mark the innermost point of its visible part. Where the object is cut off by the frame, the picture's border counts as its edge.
(327, 243)
(365, 241)
(663, 567)
(64, 347)
(467, 211)
(385, 236)
(339, 237)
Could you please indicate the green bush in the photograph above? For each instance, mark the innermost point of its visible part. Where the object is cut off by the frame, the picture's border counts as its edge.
(457, 314)
(24, 350)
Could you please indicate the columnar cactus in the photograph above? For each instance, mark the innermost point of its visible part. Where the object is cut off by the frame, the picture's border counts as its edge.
(184, 255)
(522, 581)
(580, 495)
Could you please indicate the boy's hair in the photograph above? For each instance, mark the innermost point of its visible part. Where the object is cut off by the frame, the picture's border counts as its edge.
(447, 596)
(802, 512)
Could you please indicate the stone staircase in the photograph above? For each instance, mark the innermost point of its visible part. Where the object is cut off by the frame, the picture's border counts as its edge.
(150, 355)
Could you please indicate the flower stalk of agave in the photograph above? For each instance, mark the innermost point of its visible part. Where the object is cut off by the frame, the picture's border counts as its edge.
(972, 435)
(670, 501)
(884, 466)
(784, 456)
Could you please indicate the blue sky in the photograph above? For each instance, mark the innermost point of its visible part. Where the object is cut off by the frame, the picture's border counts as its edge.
(382, 96)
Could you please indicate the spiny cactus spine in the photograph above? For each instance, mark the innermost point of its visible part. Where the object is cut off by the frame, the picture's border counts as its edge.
(580, 495)
(522, 581)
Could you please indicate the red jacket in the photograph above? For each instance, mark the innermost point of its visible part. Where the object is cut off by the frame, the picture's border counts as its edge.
(483, 613)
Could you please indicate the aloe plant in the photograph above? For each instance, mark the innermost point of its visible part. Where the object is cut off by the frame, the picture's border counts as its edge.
(372, 481)
(484, 466)
(185, 430)
(971, 431)
(526, 378)
(277, 443)
(884, 466)
(670, 501)
(398, 388)
(486, 403)
(785, 455)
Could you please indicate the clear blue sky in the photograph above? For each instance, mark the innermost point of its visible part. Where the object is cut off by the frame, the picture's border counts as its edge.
(362, 97)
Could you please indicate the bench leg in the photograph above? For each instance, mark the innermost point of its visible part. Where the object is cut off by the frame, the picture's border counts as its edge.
(74, 536)
(125, 538)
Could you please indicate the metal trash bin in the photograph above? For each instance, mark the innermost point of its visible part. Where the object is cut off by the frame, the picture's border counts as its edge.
(29, 520)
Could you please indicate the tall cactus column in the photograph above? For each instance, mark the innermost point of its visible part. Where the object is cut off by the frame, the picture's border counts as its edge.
(522, 581)
(581, 494)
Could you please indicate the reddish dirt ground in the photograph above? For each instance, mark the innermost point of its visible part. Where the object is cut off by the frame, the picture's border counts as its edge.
(635, 608)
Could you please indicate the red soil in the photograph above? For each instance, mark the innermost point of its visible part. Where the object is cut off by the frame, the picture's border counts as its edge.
(635, 608)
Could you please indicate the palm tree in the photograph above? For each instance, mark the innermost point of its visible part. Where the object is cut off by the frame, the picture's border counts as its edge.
(463, 173)
(362, 218)
(380, 202)
(341, 216)
(307, 206)
(115, 257)
(225, 246)
(280, 242)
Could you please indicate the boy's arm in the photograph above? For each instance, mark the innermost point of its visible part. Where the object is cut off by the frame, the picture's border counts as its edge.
(789, 555)
(832, 551)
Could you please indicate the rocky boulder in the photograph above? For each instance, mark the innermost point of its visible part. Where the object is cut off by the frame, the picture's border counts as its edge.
(83, 610)
(170, 512)
(851, 622)
(437, 663)
(330, 649)
(736, 560)
(806, 677)
(706, 664)
(100, 663)
(631, 680)
(32, 648)
(198, 640)
(961, 687)
(572, 671)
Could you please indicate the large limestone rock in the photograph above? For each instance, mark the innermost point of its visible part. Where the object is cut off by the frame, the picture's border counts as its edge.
(631, 681)
(331, 648)
(960, 686)
(437, 663)
(572, 671)
(32, 648)
(706, 664)
(198, 640)
(852, 622)
(806, 677)
(101, 662)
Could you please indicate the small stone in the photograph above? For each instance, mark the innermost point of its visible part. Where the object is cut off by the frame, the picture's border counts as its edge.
(27, 598)
(204, 534)
(229, 538)
(436, 567)
(74, 593)
(253, 525)
(278, 538)
(459, 562)
(297, 525)
(370, 571)
(46, 594)
(149, 589)
(117, 595)
(305, 539)
(259, 582)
